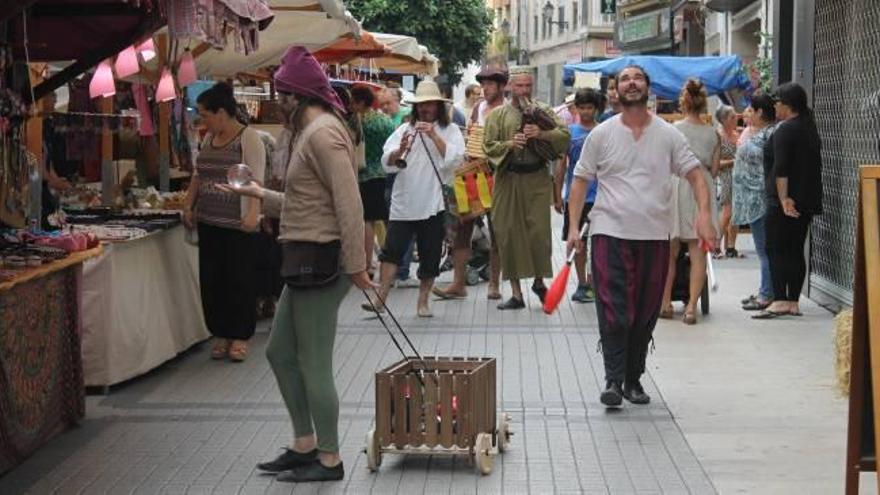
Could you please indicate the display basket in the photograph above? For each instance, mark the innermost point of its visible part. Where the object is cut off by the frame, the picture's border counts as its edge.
(438, 406)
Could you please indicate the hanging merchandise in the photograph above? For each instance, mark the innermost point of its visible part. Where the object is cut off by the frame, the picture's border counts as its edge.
(14, 163)
(212, 20)
(102, 84)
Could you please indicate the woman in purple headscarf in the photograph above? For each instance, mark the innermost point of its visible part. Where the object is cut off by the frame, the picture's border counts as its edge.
(320, 211)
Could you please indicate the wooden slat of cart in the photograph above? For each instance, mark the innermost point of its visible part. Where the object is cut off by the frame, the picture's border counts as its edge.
(446, 438)
(465, 415)
(416, 436)
(401, 438)
(431, 395)
(491, 395)
(383, 408)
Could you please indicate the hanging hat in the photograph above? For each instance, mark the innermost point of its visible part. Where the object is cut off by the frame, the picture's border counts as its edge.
(301, 74)
(428, 91)
(491, 72)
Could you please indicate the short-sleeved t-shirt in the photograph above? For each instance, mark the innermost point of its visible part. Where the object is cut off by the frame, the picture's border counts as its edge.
(579, 134)
(635, 190)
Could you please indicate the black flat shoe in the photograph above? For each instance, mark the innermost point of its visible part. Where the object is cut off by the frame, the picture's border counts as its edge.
(313, 471)
(634, 393)
(288, 460)
(512, 303)
(612, 396)
(540, 291)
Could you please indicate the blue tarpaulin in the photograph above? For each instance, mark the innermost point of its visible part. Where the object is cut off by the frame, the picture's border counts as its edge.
(668, 74)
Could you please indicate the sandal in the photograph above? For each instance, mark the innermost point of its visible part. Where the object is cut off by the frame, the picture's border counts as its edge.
(494, 294)
(768, 315)
(369, 306)
(221, 349)
(448, 294)
(667, 313)
(756, 305)
(689, 318)
(424, 312)
(239, 351)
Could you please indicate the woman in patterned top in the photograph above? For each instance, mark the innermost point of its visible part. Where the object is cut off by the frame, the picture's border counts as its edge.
(226, 223)
(748, 193)
(726, 118)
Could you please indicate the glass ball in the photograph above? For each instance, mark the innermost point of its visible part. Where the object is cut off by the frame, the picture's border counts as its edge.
(239, 175)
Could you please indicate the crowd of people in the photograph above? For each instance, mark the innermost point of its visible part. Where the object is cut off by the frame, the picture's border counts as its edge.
(355, 172)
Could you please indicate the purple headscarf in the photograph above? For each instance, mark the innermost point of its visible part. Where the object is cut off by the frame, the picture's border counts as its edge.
(301, 74)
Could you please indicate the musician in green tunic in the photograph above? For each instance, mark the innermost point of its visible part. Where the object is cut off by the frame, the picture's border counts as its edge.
(523, 194)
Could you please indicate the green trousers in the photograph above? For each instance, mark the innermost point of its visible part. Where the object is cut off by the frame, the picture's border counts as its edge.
(300, 352)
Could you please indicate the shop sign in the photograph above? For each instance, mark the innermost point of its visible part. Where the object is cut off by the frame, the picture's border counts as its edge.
(639, 28)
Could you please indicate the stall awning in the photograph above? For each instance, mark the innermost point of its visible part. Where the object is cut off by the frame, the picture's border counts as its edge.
(85, 31)
(669, 74)
(407, 56)
(349, 47)
(310, 23)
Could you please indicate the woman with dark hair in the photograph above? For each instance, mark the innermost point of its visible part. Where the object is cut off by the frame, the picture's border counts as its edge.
(793, 175)
(321, 225)
(705, 144)
(749, 205)
(226, 224)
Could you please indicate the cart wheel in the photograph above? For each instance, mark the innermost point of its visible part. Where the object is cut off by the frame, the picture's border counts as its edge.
(374, 453)
(704, 299)
(483, 453)
(504, 432)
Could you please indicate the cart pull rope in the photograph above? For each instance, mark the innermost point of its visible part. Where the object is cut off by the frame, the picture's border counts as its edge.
(400, 329)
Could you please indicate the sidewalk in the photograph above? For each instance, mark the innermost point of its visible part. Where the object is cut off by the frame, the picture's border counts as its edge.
(737, 407)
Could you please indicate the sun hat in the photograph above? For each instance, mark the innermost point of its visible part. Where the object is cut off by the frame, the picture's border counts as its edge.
(428, 91)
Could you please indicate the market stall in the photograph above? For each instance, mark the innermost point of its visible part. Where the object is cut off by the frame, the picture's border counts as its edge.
(41, 372)
(136, 319)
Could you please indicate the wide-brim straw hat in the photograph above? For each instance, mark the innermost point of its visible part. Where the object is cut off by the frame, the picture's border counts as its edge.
(428, 91)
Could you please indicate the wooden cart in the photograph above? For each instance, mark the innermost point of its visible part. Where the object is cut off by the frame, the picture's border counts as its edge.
(444, 406)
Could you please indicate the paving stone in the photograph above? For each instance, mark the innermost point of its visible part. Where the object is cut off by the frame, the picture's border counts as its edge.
(200, 426)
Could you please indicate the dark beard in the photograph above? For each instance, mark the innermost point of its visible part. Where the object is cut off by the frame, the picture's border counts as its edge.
(633, 103)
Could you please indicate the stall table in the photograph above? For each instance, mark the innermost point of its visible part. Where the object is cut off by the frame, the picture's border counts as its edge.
(141, 306)
(41, 372)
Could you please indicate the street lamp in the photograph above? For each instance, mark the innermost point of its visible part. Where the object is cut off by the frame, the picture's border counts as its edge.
(547, 15)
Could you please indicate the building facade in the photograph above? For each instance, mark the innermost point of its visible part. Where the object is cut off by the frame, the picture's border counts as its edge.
(548, 34)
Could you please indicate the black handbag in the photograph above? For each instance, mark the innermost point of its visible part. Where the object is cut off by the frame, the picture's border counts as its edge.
(309, 265)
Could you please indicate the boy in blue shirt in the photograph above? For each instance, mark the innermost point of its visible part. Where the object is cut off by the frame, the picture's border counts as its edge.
(589, 103)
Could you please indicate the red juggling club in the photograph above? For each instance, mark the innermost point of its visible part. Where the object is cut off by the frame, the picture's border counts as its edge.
(557, 288)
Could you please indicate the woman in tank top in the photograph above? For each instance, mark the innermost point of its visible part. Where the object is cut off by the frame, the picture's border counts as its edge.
(226, 223)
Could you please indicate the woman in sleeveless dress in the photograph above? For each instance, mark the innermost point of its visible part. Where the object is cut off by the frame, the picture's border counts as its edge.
(704, 143)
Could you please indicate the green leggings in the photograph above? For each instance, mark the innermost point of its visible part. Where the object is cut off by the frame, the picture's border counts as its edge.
(300, 352)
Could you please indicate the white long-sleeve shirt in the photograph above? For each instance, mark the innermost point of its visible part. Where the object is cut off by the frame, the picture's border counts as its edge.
(417, 194)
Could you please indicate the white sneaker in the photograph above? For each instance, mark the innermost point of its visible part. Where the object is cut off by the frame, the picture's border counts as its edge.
(409, 283)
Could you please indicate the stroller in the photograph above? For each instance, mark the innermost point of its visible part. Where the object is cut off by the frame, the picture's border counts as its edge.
(681, 284)
(481, 246)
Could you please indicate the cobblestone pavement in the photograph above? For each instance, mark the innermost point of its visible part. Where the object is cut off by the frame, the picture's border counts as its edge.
(200, 426)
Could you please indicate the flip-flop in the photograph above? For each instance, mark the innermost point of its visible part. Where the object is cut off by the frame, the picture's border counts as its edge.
(755, 305)
(768, 315)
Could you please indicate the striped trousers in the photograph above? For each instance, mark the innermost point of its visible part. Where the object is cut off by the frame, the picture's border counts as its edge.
(628, 276)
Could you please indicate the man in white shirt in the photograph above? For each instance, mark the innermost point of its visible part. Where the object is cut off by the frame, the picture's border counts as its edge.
(424, 153)
(632, 155)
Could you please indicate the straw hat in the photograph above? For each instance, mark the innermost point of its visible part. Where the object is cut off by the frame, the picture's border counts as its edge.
(428, 91)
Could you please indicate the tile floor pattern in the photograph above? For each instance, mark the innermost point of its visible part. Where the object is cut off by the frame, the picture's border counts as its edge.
(199, 426)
